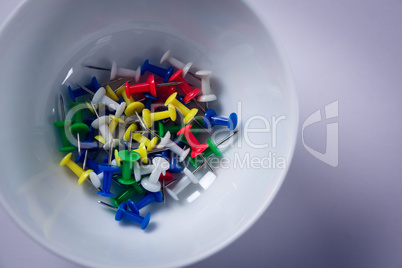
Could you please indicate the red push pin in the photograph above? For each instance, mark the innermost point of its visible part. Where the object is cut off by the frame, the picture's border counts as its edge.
(185, 87)
(148, 86)
(195, 145)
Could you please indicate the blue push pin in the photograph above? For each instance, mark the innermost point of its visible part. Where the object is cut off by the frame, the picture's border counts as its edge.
(108, 171)
(211, 119)
(93, 86)
(149, 100)
(147, 199)
(123, 213)
(164, 73)
(91, 164)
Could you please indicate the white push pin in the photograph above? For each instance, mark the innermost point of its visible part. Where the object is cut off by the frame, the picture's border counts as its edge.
(186, 180)
(123, 72)
(100, 97)
(143, 170)
(96, 179)
(176, 63)
(118, 71)
(152, 183)
(206, 96)
(102, 123)
(166, 142)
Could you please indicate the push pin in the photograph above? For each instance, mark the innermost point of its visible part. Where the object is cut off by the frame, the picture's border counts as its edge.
(115, 120)
(101, 123)
(211, 119)
(118, 71)
(177, 64)
(133, 107)
(81, 174)
(184, 86)
(161, 129)
(126, 194)
(195, 145)
(159, 71)
(129, 158)
(149, 118)
(150, 144)
(166, 142)
(92, 88)
(152, 183)
(110, 93)
(78, 127)
(123, 213)
(148, 86)
(108, 170)
(62, 125)
(212, 149)
(142, 170)
(100, 97)
(186, 180)
(174, 166)
(206, 96)
(148, 199)
(187, 113)
(95, 180)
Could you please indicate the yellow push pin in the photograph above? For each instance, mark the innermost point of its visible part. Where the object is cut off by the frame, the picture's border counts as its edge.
(143, 153)
(133, 127)
(133, 107)
(150, 144)
(82, 175)
(110, 93)
(149, 118)
(188, 114)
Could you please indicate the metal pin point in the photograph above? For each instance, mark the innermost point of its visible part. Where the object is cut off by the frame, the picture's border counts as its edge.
(201, 126)
(98, 68)
(86, 89)
(144, 126)
(107, 205)
(79, 143)
(109, 162)
(111, 81)
(84, 164)
(206, 162)
(167, 185)
(93, 107)
(130, 143)
(63, 115)
(227, 138)
(199, 105)
(163, 190)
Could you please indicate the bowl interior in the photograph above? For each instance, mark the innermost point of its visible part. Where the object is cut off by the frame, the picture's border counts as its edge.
(42, 50)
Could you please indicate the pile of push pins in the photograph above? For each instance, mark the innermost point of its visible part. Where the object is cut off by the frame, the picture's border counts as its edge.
(160, 117)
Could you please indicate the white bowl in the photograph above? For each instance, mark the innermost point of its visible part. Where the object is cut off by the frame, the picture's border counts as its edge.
(40, 44)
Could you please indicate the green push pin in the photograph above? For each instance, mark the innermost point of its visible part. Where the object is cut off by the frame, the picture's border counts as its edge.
(212, 149)
(67, 147)
(162, 129)
(127, 194)
(78, 127)
(128, 158)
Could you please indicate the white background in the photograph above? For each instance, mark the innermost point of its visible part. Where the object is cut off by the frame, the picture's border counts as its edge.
(348, 216)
